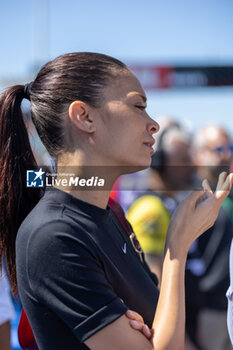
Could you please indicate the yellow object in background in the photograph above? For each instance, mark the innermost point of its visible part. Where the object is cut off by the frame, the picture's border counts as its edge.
(150, 219)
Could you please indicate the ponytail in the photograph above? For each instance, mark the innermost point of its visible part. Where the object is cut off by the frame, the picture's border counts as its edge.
(16, 156)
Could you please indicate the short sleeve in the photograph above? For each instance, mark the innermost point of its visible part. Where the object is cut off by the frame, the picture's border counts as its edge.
(149, 219)
(66, 275)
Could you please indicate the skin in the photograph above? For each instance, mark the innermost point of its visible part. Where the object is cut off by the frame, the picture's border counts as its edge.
(5, 336)
(136, 322)
(119, 133)
(155, 263)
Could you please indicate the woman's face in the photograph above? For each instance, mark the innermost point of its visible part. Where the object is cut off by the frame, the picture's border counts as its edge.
(126, 132)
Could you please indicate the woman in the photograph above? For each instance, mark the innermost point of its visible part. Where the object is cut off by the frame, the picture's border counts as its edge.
(77, 272)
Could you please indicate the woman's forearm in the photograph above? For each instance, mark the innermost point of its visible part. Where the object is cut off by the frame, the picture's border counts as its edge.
(169, 321)
(194, 216)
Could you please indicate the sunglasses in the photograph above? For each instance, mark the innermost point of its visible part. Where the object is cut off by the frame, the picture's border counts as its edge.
(223, 149)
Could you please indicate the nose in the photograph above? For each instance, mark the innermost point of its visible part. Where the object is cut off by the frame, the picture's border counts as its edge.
(152, 126)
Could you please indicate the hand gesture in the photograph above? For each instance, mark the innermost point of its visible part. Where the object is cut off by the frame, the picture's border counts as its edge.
(197, 213)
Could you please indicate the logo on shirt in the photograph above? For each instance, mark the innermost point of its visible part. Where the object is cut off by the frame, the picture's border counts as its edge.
(35, 178)
(124, 248)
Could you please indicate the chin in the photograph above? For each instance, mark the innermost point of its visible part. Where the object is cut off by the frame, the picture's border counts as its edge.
(133, 168)
(142, 166)
(129, 166)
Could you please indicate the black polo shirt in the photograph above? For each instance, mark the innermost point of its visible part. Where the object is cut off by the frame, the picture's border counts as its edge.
(78, 272)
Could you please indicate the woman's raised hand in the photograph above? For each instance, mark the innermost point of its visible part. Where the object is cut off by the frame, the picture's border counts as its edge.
(196, 214)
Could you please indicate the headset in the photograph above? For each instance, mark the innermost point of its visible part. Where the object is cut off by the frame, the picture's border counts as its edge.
(158, 159)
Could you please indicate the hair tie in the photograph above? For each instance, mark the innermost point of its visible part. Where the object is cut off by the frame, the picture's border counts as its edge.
(27, 90)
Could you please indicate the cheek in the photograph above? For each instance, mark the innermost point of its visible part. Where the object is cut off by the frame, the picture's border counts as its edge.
(125, 128)
(208, 158)
(215, 159)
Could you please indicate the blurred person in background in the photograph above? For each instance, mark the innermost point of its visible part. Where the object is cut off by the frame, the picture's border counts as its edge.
(7, 312)
(151, 212)
(207, 275)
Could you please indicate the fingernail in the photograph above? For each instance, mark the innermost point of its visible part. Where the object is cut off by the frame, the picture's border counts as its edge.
(135, 323)
(146, 331)
(129, 313)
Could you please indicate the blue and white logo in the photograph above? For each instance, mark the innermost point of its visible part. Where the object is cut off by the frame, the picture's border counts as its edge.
(35, 178)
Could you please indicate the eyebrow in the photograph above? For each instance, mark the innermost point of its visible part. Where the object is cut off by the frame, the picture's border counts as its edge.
(138, 93)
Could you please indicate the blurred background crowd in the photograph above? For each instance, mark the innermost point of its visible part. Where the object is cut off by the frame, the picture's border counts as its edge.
(182, 53)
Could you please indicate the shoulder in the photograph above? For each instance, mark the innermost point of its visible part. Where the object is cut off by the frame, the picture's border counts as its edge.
(50, 246)
(49, 231)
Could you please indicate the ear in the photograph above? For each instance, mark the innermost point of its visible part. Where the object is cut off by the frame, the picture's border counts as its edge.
(80, 114)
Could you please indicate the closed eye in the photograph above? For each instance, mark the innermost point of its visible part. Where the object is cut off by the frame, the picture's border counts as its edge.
(141, 107)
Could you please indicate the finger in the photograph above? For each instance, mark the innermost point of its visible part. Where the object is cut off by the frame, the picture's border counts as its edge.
(228, 183)
(136, 325)
(221, 180)
(208, 191)
(231, 180)
(206, 186)
(133, 315)
(223, 192)
(194, 196)
(146, 331)
(141, 327)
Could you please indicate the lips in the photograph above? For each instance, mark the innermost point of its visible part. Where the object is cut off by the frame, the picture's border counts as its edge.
(150, 144)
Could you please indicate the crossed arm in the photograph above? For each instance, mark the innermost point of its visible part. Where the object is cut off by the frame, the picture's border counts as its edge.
(195, 215)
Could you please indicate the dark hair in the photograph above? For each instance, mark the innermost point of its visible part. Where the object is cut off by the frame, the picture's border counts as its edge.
(70, 77)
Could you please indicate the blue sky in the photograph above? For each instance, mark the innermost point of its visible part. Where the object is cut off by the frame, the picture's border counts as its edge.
(160, 32)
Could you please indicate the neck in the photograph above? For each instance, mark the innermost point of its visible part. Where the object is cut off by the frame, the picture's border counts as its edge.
(90, 183)
(97, 198)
